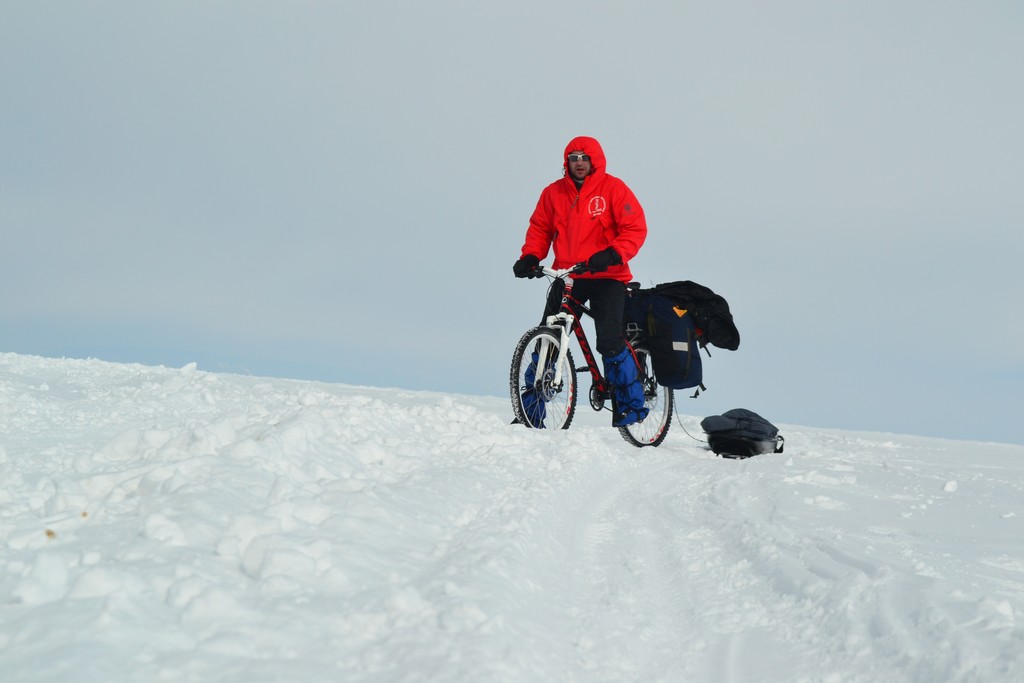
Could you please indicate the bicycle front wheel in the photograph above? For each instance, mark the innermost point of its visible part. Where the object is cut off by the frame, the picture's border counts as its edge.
(659, 401)
(540, 398)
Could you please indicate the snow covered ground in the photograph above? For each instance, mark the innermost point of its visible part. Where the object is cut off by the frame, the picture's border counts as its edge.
(177, 525)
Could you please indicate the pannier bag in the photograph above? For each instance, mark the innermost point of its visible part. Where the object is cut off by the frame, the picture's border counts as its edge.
(670, 336)
(677, 320)
(741, 433)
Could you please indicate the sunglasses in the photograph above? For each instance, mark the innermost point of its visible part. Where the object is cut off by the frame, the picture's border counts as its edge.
(579, 157)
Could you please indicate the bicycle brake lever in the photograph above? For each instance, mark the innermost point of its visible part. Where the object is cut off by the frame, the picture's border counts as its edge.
(580, 267)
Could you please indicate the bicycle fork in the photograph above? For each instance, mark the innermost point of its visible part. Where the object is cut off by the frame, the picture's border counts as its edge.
(564, 322)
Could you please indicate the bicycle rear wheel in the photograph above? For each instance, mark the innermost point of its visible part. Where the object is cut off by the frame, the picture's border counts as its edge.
(659, 401)
(536, 400)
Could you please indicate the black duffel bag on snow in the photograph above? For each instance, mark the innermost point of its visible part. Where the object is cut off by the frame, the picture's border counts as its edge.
(741, 433)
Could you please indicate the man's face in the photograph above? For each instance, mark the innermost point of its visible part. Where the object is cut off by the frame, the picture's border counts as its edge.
(578, 164)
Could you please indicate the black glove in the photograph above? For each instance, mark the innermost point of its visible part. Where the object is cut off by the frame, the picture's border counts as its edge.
(524, 266)
(599, 262)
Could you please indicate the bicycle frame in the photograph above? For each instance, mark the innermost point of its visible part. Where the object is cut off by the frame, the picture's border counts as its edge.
(567, 319)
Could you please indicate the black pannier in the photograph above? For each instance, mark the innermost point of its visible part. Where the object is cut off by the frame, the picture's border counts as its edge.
(671, 337)
(741, 433)
(677, 320)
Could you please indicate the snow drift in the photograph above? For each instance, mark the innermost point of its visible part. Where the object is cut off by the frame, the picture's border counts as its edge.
(177, 525)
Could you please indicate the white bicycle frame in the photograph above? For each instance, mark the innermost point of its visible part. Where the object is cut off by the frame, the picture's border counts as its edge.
(562, 320)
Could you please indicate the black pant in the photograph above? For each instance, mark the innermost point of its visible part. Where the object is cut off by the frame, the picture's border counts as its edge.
(607, 301)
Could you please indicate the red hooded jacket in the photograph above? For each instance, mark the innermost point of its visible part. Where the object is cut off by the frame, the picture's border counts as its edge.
(603, 213)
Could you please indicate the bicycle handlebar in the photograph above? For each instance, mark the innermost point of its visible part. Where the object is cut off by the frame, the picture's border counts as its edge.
(539, 271)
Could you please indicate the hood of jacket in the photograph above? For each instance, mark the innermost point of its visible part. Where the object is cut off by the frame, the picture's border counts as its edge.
(589, 146)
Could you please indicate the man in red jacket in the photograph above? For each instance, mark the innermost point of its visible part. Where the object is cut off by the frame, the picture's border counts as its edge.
(590, 216)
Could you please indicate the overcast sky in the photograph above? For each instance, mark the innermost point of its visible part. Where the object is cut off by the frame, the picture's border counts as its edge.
(337, 191)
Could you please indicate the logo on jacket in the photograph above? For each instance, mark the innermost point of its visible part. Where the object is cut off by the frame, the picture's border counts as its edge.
(597, 206)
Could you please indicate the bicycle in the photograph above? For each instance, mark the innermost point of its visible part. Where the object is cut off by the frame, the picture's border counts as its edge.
(543, 376)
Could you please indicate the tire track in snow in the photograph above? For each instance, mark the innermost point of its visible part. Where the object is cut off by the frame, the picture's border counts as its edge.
(642, 546)
(669, 546)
